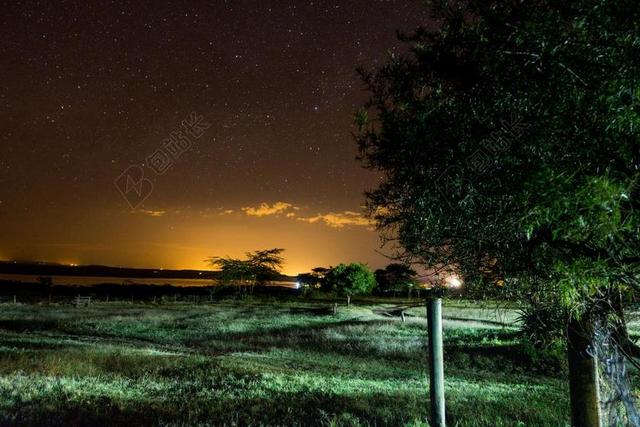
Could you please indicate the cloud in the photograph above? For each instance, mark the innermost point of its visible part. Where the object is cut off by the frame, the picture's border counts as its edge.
(288, 210)
(214, 212)
(340, 219)
(152, 213)
(265, 209)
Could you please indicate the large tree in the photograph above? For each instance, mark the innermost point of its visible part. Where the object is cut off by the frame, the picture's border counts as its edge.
(508, 141)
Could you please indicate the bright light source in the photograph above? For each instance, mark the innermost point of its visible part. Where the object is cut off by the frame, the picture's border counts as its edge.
(453, 282)
(297, 285)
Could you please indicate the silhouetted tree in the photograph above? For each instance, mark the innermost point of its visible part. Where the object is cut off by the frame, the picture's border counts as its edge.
(397, 278)
(258, 267)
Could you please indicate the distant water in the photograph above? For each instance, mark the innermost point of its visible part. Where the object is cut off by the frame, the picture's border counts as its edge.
(94, 280)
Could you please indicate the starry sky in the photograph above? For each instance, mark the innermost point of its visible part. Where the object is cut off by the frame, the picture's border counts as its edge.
(156, 134)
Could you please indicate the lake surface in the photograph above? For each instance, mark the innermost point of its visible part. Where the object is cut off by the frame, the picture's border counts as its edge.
(96, 280)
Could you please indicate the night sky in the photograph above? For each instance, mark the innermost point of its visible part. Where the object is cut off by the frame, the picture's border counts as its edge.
(89, 89)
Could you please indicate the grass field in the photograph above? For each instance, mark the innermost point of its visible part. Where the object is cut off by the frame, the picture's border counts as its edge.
(261, 362)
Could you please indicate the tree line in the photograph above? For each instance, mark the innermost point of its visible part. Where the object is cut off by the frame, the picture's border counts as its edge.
(346, 279)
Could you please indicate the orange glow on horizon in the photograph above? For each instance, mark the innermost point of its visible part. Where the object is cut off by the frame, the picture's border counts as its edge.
(186, 239)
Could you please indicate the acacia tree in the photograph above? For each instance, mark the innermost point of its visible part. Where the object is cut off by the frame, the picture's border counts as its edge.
(258, 267)
(508, 143)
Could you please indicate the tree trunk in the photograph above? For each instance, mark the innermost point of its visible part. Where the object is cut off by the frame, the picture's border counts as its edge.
(583, 375)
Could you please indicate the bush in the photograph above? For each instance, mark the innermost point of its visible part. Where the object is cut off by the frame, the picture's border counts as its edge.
(542, 325)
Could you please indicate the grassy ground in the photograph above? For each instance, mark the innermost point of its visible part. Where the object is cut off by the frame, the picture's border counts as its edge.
(265, 363)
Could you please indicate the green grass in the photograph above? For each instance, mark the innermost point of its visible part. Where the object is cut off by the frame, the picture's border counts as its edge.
(266, 363)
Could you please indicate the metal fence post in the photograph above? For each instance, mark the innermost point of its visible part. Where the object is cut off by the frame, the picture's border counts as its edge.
(436, 361)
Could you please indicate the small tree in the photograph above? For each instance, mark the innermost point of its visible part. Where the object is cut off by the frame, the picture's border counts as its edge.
(397, 278)
(350, 279)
